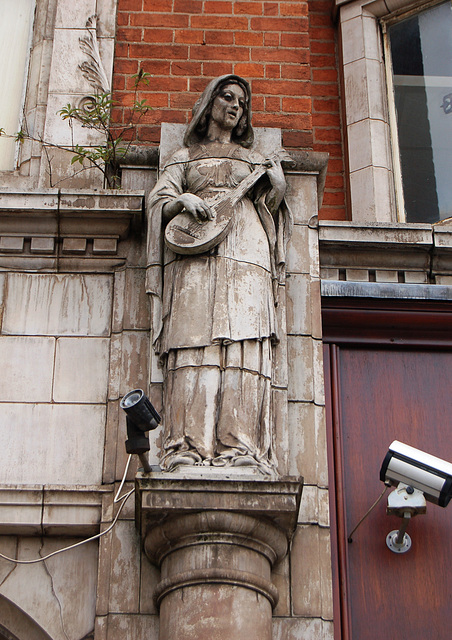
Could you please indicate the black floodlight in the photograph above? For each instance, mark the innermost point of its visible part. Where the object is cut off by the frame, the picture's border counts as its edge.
(141, 417)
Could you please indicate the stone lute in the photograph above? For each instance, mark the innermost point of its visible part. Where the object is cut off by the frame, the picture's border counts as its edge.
(185, 235)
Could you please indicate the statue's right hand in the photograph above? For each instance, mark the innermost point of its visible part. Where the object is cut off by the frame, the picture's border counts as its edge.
(195, 205)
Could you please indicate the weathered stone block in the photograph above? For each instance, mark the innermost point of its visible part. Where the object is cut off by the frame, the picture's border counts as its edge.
(416, 277)
(305, 628)
(314, 507)
(314, 251)
(281, 431)
(298, 304)
(26, 364)
(136, 302)
(150, 577)
(10, 243)
(302, 440)
(319, 387)
(51, 444)
(74, 16)
(105, 245)
(8, 546)
(386, 275)
(316, 309)
(125, 569)
(111, 441)
(135, 350)
(307, 442)
(357, 275)
(311, 572)
(57, 130)
(71, 511)
(132, 627)
(74, 245)
(81, 370)
(305, 572)
(301, 372)
(56, 304)
(326, 574)
(298, 259)
(20, 513)
(301, 196)
(60, 593)
(42, 245)
(118, 301)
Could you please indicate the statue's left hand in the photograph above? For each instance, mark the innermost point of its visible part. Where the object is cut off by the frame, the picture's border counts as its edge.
(276, 174)
(278, 182)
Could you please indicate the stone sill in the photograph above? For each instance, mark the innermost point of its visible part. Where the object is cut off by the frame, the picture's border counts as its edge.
(76, 212)
(35, 510)
(375, 234)
(422, 248)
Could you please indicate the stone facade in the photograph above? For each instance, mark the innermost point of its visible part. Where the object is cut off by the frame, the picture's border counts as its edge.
(76, 331)
(75, 327)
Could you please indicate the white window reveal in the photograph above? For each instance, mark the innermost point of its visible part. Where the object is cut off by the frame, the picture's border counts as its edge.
(16, 20)
(420, 50)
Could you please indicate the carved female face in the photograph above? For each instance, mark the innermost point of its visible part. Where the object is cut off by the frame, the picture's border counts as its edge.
(228, 107)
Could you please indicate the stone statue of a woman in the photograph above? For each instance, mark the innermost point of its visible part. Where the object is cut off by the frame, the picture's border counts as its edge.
(218, 321)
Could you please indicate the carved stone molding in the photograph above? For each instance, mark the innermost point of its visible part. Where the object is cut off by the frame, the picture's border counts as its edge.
(66, 229)
(50, 510)
(399, 253)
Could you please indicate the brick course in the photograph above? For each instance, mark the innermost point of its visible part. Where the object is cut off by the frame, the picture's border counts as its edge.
(286, 50)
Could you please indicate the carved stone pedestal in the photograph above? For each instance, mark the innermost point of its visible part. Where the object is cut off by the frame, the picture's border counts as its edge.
(216, 541)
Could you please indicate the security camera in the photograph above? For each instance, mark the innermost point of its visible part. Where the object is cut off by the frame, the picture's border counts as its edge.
(420, 470)
(141, 417)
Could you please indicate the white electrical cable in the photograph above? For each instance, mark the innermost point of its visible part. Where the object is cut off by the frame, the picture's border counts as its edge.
(117, 499)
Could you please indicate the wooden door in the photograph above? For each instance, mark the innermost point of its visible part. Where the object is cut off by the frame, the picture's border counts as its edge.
(389, 377)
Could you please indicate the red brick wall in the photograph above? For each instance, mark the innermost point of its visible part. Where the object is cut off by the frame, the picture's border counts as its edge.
(286, 50)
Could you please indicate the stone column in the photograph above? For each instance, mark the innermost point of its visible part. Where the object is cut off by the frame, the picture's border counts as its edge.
(216, 541)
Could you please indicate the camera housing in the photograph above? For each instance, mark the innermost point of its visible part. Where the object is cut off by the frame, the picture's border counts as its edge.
(141, 416)
(415, 468)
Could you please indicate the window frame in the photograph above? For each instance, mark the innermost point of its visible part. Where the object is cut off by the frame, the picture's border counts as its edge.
(370, 148)
(22, 102)
(386, 22)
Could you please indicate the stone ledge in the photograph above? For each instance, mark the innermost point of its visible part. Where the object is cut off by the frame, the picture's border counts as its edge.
(162, 495)
(402, 291)
(375, 234)
(50, 510)
(380, 252)
(41, 229)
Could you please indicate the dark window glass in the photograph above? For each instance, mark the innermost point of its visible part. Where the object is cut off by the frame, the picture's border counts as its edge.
(421, 51)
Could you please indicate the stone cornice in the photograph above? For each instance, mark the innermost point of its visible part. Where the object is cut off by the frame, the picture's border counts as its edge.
(78, 229)
(423, 252)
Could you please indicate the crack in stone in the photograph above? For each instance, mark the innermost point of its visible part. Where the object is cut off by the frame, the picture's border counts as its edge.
(53, 590)
(13, 569)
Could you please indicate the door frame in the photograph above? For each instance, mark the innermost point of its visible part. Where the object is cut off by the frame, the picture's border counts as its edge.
(374, 323)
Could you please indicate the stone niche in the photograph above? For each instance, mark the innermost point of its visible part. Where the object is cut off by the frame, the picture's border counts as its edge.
(216, 534)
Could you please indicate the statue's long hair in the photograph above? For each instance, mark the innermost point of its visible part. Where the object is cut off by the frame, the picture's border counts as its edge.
(197, 129)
